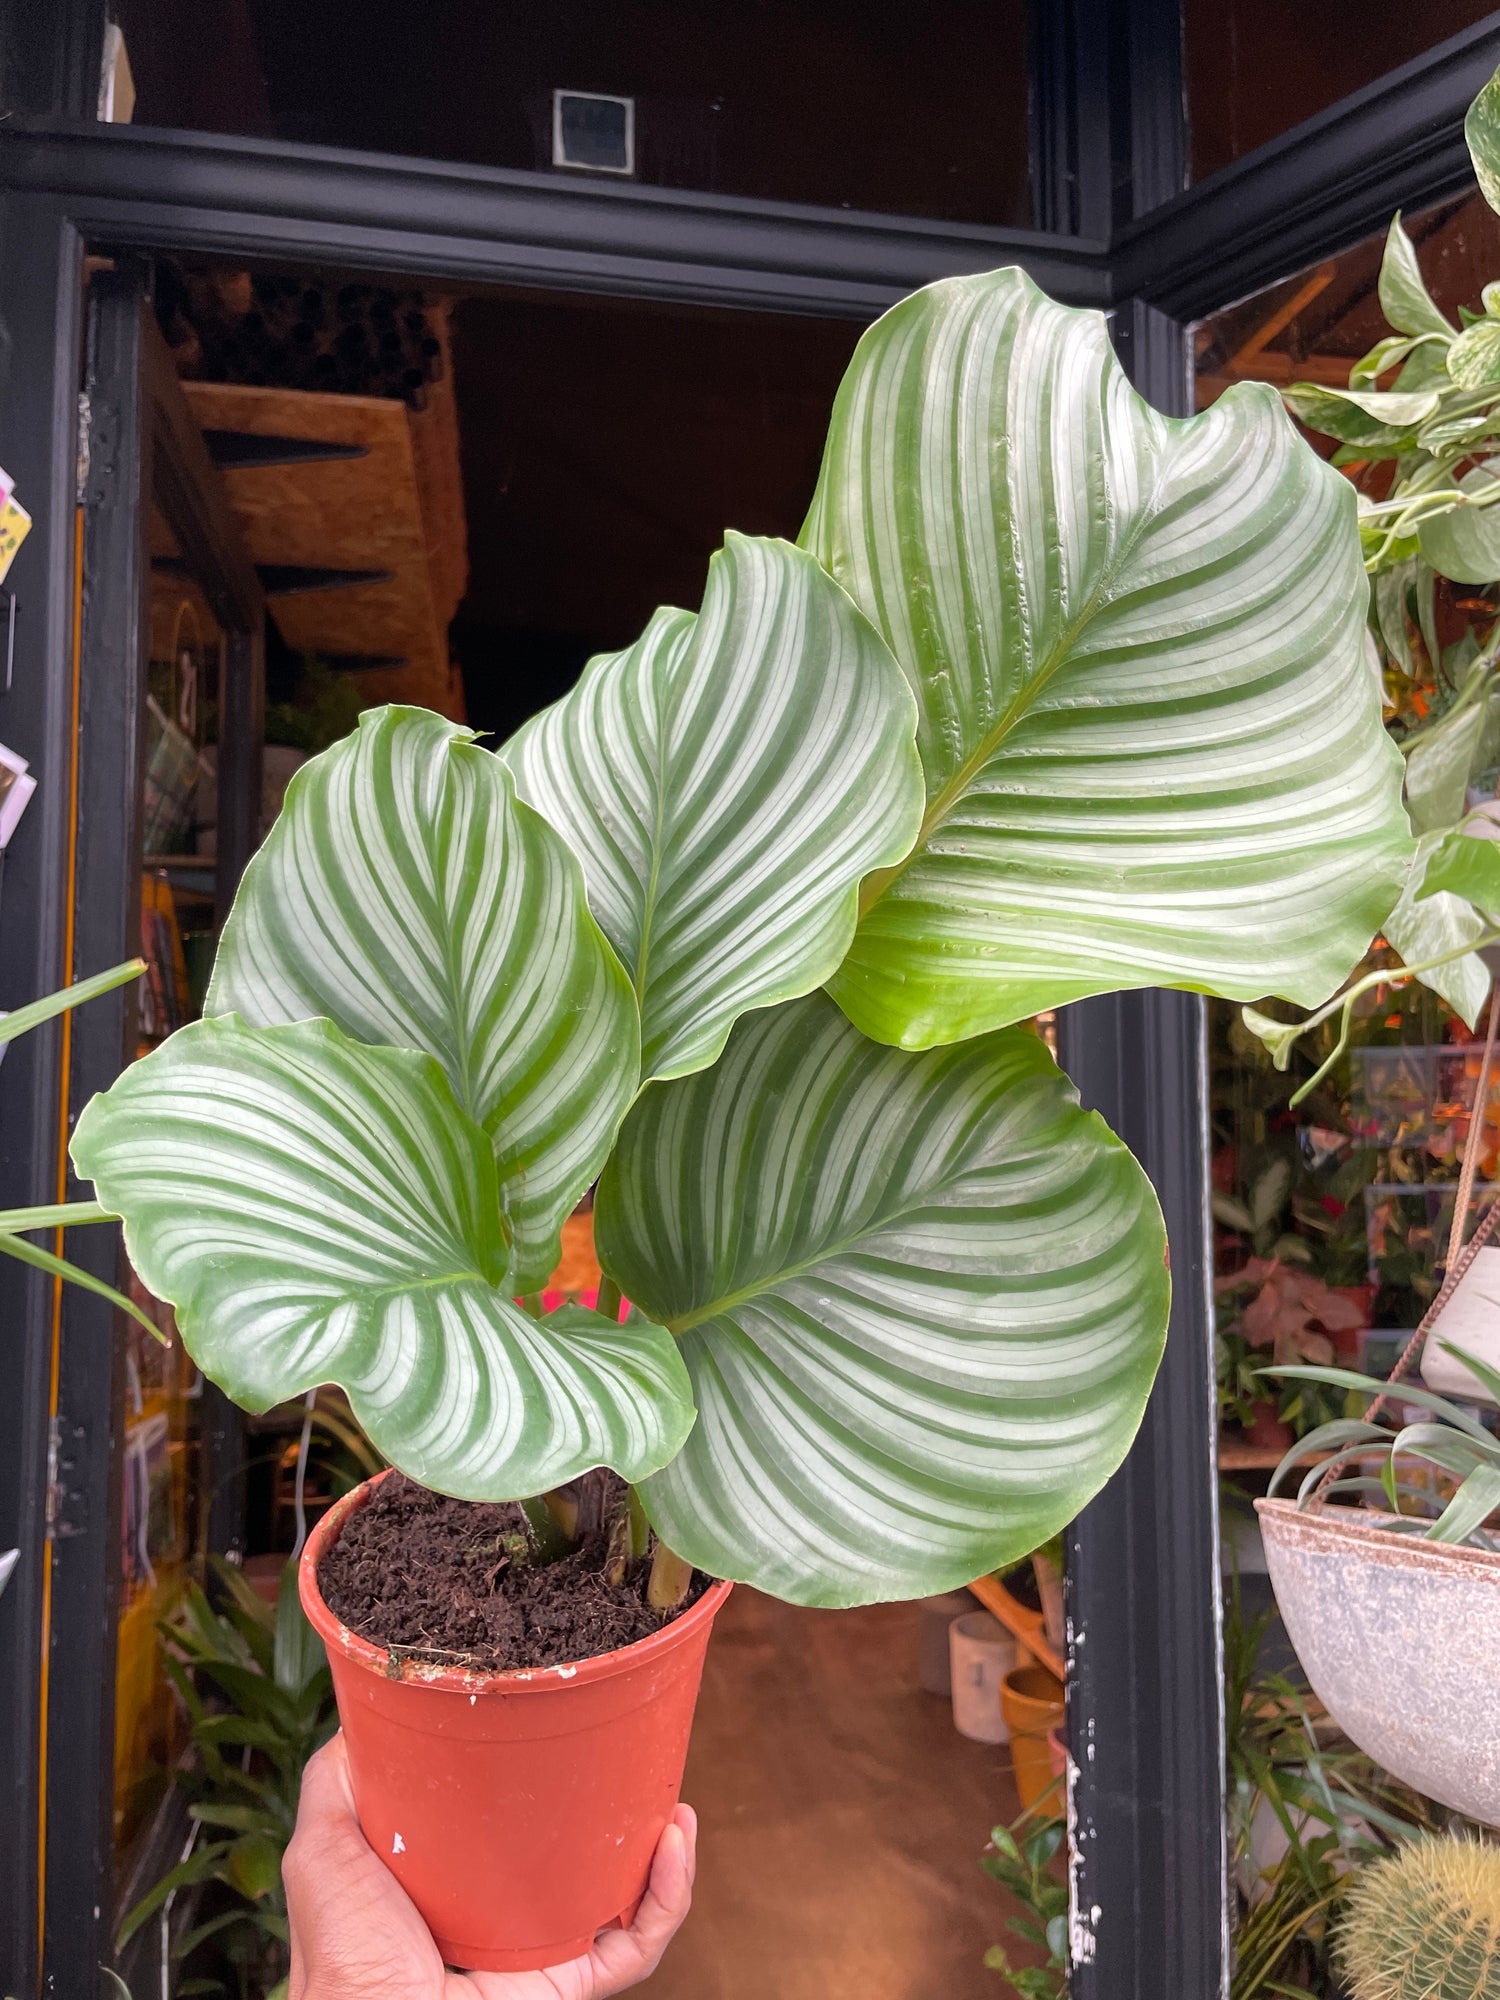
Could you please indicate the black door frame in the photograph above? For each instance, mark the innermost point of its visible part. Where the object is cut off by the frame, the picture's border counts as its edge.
(1109, 141)
(141, 445)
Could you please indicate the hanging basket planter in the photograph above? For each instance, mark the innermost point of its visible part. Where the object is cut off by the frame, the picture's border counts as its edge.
(1397, 1636)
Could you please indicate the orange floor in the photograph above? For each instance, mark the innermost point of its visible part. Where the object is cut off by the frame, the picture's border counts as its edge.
(842, 1819)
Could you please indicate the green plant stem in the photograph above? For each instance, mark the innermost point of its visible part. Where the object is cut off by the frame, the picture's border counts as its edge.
(640, 1527)
(608, 1301)
(532, 1301)
(671, 1579)
(1389, 976)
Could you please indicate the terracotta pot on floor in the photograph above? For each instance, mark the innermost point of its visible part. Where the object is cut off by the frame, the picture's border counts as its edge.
(1267, 1432)
(519, 1811)
(1032, 1702)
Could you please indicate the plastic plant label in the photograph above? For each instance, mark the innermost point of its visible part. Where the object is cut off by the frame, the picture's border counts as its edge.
(1471, 1320)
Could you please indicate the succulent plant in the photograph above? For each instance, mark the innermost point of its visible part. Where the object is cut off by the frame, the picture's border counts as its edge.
(1425, 1924)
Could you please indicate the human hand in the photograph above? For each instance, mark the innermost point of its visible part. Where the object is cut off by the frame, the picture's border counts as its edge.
(356, 1934)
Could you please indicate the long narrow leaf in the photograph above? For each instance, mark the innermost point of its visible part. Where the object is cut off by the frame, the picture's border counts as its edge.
(1470, 1507)
(1480, 1369)
(1439, 1444)
(1341, 1431)
(54, 1215)
(28, 1253)
(202, 1865)
(32, 1015)
(1406, 1392)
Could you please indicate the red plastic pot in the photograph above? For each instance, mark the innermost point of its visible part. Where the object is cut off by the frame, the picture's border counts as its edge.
(519, 1811)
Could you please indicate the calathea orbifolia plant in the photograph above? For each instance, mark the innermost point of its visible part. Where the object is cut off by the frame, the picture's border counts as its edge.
(1055, 696)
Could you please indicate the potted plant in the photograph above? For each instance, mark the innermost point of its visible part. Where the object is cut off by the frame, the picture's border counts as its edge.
(1391, 1608)
(747, 929)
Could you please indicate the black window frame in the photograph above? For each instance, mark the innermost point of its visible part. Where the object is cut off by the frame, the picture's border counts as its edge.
(1118, 230)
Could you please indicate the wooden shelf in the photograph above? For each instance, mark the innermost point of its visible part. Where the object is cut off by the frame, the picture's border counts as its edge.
(1237, 1457)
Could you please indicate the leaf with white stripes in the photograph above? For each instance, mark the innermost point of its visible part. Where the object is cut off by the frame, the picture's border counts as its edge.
(1153, 747)
(321, 1211)
(921, 1298)
(408, 895)
(725, 784)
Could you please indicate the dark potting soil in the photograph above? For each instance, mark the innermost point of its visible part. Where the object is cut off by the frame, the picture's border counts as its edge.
(437, 1579)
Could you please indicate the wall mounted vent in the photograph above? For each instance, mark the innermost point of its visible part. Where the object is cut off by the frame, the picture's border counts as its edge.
(593, 133)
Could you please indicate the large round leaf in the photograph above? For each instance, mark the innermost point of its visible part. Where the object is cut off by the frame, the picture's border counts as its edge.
(921, 1297)
(725, 784)
(408, 895)
(318, 1211)
(1153, 747)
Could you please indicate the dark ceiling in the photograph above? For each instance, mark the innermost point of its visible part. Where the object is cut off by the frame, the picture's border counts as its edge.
(606, 447)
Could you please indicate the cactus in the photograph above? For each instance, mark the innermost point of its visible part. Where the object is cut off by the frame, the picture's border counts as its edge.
(1425, 1924)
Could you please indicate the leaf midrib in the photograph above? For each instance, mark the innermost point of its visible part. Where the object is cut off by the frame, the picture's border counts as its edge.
(658, 835)
(943, 802)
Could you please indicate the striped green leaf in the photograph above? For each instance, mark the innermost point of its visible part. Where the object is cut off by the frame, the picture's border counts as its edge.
(725, 784)
(921, 1298)
(408, 895)
(1152, 743)
(320, 1211)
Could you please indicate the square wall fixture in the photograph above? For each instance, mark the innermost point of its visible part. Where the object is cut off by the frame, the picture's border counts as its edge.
(593, 132)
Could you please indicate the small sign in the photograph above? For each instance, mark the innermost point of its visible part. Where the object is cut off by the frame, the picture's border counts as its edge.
(16, 788)
(15, 526)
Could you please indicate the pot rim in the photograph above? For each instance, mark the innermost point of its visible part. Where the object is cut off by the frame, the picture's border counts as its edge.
(1286, 1521)
(468, 1680)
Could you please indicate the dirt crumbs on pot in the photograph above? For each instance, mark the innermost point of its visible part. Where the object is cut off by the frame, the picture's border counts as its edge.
(441, 1580)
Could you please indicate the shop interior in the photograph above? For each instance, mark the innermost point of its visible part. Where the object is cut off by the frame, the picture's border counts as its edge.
(1332, 1220)
(456, 501)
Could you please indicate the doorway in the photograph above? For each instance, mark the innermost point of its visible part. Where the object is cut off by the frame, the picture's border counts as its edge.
(455, 501)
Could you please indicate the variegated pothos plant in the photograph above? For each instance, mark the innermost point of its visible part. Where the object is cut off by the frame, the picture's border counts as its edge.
(1055, 696)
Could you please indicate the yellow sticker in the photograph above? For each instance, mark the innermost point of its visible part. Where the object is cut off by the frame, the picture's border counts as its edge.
(15, 526)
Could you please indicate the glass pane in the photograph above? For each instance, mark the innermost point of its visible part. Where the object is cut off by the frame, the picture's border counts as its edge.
(1312, 327)
(1333, 1215)
(915, 111)
(1256, 68)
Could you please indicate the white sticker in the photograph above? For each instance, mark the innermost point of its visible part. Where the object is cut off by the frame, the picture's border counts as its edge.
(398, 1846)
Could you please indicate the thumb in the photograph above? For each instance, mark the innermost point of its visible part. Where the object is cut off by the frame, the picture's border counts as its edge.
(623, 1958)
